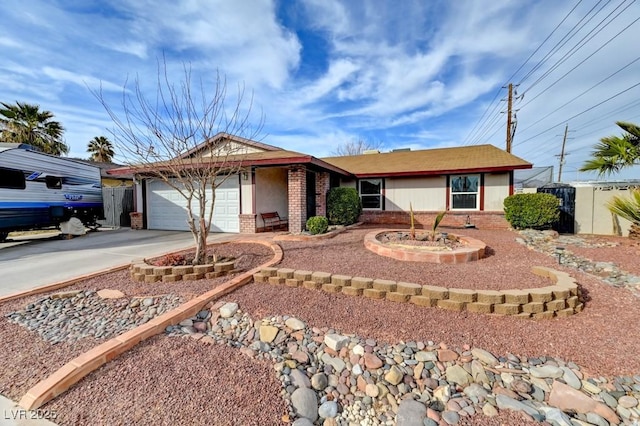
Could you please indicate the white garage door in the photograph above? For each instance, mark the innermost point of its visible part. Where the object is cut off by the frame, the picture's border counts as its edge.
(167, 209)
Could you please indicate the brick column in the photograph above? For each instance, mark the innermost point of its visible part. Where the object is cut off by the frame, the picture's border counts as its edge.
(322, 187)
(247, 223)
(297, 187)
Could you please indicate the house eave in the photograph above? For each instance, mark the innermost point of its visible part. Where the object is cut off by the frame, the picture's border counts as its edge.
(444, 172)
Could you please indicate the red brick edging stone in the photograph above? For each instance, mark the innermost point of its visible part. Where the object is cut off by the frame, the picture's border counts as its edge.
(561, 299)
(472, 250)
(79, 367)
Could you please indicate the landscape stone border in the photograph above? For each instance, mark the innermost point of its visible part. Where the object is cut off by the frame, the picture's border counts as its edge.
(561, 299)
(76, 369)
(143, 272)
(472, 250)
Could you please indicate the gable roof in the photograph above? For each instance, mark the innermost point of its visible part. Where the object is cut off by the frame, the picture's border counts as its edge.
(467, 159)
(237, 139)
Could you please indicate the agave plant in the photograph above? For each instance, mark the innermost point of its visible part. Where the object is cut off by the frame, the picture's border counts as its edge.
(628, 208)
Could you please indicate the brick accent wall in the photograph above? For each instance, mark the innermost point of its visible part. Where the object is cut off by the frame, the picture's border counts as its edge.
(137, 221)
(484, 220)
(297, 186)
(247, 223)
(322, 187)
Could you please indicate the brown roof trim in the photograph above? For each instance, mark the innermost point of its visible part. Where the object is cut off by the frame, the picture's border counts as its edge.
(445, 172)
(284, 161)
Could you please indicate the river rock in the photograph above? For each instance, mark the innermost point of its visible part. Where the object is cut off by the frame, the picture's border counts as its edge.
(458, 375)
(507, 403)
(295, 324)
(546, 371)
(411, 413)
(319, 381)
(394, 375)
(570, 378)
(371, 361)
(328, 410)
(305, 403)
(267, 333)
(484, 356)
(567, 398)
(228, 309)
(336, 341)
(299, 379)
(627, 401)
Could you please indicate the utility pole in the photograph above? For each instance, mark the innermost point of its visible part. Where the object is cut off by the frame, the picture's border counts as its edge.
(509, 104)
(564, 141)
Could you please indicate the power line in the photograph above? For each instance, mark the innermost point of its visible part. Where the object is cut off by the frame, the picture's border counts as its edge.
(580, 63)
(580, 95)
(580, 113)
(558, 45)
(478, 123)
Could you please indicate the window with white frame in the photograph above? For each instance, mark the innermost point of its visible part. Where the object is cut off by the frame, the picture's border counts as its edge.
(371, 193)
(465, 193)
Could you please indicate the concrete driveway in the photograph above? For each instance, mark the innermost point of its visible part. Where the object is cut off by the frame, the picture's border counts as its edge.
(30, 263)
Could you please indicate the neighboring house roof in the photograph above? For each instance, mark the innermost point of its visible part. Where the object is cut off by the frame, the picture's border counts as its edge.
(467, 159)
(105, 167)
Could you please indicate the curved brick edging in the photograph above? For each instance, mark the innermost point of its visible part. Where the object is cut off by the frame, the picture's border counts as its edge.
(473, 250)
(79, 367)
(561, 299)
(143, 272)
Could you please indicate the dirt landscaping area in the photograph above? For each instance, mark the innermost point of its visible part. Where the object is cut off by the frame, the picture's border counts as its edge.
(180, 381)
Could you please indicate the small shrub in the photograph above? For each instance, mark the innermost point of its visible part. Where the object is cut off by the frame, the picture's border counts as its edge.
(317, 225)
(343, 206)
(536, 211)
(171, 260)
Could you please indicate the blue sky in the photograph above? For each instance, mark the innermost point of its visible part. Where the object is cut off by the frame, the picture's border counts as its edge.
(418, 74)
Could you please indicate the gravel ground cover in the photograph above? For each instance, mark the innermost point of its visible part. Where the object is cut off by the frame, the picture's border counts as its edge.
(600, 339)
(507, 266)
(625, 254)
(36, 358)
(168, 381)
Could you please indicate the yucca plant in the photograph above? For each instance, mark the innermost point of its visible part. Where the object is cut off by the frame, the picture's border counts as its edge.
(628, 208)
(412, 230)
(436, 223)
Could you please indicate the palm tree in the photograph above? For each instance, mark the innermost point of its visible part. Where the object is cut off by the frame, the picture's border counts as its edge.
(101, 149)
(628, 208)
(26, 123)
(614, 153)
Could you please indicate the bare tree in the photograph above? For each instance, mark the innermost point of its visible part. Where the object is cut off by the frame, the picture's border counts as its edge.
(356, 147)
(173, 138)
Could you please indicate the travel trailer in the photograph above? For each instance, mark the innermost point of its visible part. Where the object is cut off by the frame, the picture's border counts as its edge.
(41, 191)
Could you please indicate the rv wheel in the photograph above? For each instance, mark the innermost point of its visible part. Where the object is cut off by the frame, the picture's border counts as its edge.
(3, 236)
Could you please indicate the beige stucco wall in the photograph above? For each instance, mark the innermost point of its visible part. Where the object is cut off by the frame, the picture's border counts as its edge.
(496, 189)
(348, 183)
(424, 193)
(592, 215)
(271, 192)
(246, 194)
(232, 148)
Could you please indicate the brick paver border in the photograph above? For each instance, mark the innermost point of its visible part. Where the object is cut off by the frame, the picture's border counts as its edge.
(79, 367)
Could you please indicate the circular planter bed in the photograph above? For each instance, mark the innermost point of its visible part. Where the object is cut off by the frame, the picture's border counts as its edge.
(453, 248)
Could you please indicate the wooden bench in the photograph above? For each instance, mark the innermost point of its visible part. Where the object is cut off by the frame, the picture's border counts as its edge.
(273, 220)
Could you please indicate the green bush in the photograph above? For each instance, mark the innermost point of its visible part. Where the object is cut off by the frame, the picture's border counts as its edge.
(343, 206)
(536, 211)
(317, 225)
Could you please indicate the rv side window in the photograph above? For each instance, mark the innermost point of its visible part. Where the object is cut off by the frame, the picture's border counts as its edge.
(53, 182)
(12, 179)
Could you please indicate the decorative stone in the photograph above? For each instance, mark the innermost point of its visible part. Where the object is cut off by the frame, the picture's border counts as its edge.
(228, 310)
(305, 403)
(299, 379)
(546, 371)
(411, 413)
(268, 333)
(110, 294)
(328, 410)
(336, 341)
(371, 361)
(567, 398)
(295, 324)
(394, 375)
(507, 403)
(458, 375)
(484, 356)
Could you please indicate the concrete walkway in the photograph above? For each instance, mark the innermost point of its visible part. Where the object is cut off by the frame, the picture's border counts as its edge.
(12, 415)
(46, 261)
